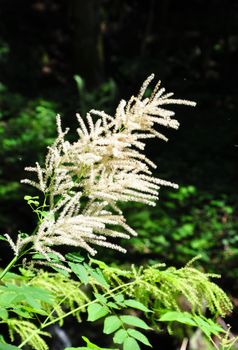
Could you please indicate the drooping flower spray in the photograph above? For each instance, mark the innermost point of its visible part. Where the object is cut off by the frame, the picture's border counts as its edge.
(83, 182)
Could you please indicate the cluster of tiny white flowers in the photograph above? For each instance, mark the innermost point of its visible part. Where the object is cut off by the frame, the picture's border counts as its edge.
(83, 181)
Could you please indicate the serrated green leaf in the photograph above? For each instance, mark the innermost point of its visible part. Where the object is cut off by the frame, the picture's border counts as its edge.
(216, 328)
(33, 302)
(136, 305)
(98, 276)
(59, 270)
(111, 324)
(8, 347)
(208, 326)
(32, 310)
(6, 298)
(96, 311)
(3, 313)
(35, 293)
(101, 298)
(130, 344)
(38, 293)
(52, 256)
(119, 298)
(13, 296)
(113, 305)
(134, 321)
(22, 312)
(74, 257)
(80, 272)
(178, 316)
(139, 336)
(120, 336)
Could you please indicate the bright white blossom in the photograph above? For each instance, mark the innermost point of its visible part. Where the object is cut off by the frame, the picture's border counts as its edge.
(84, 181)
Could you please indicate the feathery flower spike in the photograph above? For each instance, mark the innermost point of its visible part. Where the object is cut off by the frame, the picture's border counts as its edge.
(84, 181)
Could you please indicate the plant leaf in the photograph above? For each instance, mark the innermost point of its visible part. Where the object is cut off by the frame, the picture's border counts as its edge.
(6, 298)
(120, 336)
(139, 336)
(22, 312)
(80, 272)
(7, 347)
(136, 305)
(119, 298)
(113, 305)
(101, 298)
(3, 313)
(130, 344)
(74, 257)
(97, 275)
(111, 324)
(208, 326)
(96, 311)
(178, 316)
(134, 321)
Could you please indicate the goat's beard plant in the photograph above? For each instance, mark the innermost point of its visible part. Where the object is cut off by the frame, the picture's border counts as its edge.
(83, 184)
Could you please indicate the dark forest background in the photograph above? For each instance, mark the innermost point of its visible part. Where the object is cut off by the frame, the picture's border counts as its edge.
(70, 56)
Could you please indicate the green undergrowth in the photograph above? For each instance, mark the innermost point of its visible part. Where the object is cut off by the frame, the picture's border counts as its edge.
(127, 303)
(187, 223)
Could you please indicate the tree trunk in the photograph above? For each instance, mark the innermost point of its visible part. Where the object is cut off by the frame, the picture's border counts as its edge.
(87, 41)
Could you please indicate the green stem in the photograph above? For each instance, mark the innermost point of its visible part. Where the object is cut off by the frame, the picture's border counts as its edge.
(8, 267)
(44, 325)
(13, 262)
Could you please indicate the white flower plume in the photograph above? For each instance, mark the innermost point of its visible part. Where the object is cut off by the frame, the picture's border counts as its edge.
(84, 181)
